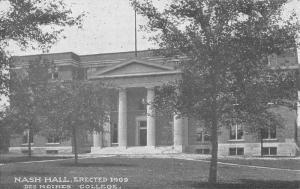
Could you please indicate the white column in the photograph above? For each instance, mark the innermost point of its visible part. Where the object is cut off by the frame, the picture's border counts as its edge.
(97, 139)
(122, 123)
(180, 124)
(150, 118)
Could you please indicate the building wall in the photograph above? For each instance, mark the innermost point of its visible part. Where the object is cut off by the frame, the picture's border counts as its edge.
(40, 144)
(285, 141)
(70, 64)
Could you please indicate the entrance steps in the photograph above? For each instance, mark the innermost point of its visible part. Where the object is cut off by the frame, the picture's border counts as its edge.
(135, 150)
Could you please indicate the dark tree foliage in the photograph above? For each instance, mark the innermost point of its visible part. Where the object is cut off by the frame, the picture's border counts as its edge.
(224, 47)
(76, 108)
(31, 23)
(28, 87)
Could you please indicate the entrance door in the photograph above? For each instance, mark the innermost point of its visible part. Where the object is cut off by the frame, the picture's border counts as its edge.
(143, 133)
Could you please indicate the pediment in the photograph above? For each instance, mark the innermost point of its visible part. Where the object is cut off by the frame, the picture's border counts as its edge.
(133, 67)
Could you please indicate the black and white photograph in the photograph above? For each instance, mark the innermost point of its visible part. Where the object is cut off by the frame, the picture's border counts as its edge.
(149, 94)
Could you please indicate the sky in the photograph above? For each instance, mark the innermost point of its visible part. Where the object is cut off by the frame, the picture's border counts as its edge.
(107, 27)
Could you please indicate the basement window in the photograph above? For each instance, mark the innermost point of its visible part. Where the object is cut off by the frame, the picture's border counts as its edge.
(203, 151)
(236, 151)
(51, 151)
(271, 151)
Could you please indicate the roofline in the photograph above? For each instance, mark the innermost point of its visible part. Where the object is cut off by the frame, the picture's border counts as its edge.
(47, 54)
(84, 55)
(120, 52)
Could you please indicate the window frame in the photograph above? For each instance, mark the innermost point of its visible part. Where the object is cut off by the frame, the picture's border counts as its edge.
(203, 134)
(236, 133)
(115, 133)
(268, 149)
(26, 134)
(54, 142)
(268, 131)
(236, 151)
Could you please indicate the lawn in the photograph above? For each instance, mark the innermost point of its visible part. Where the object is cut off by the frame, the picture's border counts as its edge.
(13, 159)
(293, 164)
(139, 173)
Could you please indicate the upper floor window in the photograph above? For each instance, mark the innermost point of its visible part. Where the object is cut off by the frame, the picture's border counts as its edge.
(268, 133)
(272, 59)
(53, 72)
(236, 132)
(142, 104)
(26, 137)
(202, 135)
(53, 139)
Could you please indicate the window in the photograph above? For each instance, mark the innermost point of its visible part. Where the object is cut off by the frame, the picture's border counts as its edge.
(236, 151)
(203, 151)
(53, 72)
(26, 137)
(53, 139)
(236, 132)
(143, 124)
(202, 135)
(51, 151)
(269, 151)
(142, 104)
(272, 60)
(268, 133)
(115, 133)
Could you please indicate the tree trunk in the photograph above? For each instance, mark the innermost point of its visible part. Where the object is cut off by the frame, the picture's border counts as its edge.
(261, 143)
(214, 153)
(29, 143)
(214, 135)
(75, 144)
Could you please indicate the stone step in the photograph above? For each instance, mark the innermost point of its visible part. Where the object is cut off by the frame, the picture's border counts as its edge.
(135, 150)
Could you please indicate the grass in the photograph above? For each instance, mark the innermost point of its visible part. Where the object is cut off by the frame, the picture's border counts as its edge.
(293, 164)
(149, 173)
(14, 159)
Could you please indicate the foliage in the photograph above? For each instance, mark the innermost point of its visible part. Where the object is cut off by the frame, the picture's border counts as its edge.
(226, 72)
(27, 89)
(31, 23)
(75, 108)
(79, 104)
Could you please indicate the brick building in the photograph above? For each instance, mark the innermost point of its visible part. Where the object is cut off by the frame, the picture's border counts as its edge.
(132, 129)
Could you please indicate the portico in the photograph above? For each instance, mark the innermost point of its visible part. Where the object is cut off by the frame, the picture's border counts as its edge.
(145, 75)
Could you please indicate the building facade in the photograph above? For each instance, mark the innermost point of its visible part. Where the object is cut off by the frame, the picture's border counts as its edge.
(135, 128)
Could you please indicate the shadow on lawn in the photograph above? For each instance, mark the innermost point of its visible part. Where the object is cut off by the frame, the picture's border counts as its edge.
(69, 164)
(246, 184)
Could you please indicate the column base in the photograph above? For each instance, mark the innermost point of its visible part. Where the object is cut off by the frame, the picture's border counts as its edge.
(179, 148)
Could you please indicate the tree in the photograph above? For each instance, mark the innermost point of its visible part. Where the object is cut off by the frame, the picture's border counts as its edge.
(4, 132)
(225, 73)
(76, 107)
(28, 87)
(31, 23)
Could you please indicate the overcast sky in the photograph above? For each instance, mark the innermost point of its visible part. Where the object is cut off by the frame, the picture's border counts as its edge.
(108, 27)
